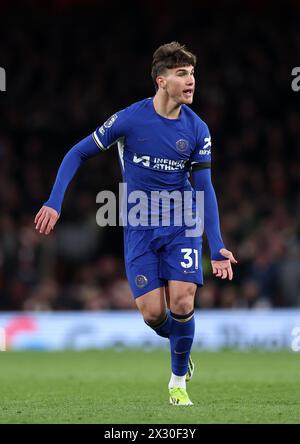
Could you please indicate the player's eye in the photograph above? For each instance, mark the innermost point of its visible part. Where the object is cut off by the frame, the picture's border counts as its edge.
(184, 73)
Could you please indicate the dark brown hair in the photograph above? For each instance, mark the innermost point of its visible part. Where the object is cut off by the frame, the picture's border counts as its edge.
(168, 56)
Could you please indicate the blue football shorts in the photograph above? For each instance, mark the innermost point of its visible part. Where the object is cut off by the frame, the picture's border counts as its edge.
(155, 256)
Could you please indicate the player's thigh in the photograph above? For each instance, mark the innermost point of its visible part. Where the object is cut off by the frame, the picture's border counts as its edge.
(182, 296)
(167, 293)
(152, 305)
(142, 268)
(181, 259)
(181, 266)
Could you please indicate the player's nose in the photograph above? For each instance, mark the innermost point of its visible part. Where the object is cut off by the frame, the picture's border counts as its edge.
(190, 81)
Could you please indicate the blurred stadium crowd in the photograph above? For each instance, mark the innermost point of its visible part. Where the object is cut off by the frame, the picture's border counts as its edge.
(69, 66)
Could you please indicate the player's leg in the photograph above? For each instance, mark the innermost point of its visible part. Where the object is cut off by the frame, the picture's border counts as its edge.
(182, 296)
(182, 332)
(167, 293)
(153, 307)
(142, 269)
(178, 328)
(182, 268)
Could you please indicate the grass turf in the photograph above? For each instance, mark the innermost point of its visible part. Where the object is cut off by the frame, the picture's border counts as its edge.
(111, 387)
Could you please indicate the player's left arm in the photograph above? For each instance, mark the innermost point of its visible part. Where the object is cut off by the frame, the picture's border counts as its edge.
(221, 258)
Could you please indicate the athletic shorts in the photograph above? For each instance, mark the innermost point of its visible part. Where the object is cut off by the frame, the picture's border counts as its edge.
(153, 257)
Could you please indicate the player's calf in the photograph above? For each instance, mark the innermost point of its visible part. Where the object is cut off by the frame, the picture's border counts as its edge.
(162, 326)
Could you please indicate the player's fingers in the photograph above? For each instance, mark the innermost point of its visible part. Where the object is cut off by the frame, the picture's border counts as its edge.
(39, 217)
(41, 211)
(48, 228)
(40, 220)
(219, 273)
(228, 254)
(50, 224)
(232, 259)
(44, 223)
(230, 273)
(224, 273)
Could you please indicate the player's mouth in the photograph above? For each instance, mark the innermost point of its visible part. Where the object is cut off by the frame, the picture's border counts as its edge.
(188, 93)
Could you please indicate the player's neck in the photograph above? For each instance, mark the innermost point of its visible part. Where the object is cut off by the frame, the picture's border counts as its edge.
(166, 107)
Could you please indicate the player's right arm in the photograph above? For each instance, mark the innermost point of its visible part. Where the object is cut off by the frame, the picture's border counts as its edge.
(100, 140)
(48, 215)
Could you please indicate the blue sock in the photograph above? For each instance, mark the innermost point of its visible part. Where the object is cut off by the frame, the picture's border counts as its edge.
(162, 328)
(181, 340)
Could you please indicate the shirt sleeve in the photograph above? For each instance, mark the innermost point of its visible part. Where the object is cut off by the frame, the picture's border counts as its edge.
(112, 129)
(201, 156)
(202, 180)
(79, 153)
(201, 164)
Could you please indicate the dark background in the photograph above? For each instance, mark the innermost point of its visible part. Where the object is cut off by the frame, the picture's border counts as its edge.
(70, 65)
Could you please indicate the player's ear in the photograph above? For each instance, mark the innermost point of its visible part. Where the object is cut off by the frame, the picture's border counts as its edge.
(161, 82)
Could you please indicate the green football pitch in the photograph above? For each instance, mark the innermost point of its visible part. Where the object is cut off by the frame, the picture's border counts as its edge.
(119, 387)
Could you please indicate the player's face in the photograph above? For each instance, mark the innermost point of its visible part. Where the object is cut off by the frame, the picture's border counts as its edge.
(179, 83)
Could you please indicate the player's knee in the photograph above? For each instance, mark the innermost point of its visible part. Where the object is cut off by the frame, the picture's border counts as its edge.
(183, 301)
(153, 317)
(183, 306)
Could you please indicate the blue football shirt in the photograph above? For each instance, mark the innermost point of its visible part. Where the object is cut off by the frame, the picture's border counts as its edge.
(156, 154)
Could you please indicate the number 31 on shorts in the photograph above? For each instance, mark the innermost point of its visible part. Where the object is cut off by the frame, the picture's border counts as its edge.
(190, 257)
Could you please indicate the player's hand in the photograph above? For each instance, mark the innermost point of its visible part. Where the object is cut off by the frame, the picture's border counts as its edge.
(46, 219)
(223, 269)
